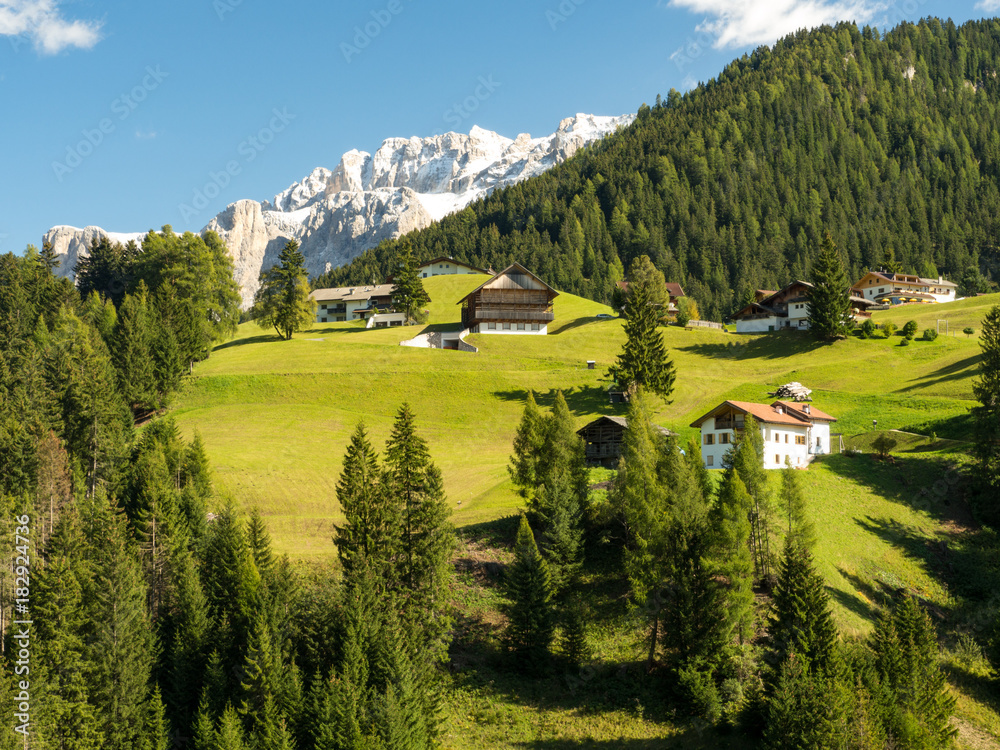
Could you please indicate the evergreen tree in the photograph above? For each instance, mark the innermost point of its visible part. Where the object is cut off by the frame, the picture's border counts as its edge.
(643, 362)
(133, 352)
(730, 520)
(801, 711)
(120, 642)
(371, 520)
(830, 298)
(530, 616)
(229, 735)
(282, 302)
(986, 416)
(409, 294)
(802, 623)
(747, 458)
(528, 442)
(801, 530)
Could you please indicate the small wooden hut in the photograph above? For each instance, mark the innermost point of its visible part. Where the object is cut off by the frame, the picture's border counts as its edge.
(604, 437)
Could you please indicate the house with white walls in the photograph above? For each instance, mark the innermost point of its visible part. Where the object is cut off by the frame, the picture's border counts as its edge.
(351, 302)
(902, 288)
(446, 266)
(794, 433)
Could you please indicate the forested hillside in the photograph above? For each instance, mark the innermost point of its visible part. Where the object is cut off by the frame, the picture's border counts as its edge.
(892, 144)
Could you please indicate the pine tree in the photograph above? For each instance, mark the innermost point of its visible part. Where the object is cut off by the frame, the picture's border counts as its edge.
(801, 530)
(283, 300)
(409, 294)
(528, 441)
(747, 458)
(133, 352)
(530, 615)
(426, 538)
(730, 521)
(801, 711)
(829, 299)
(371, 520)
(802, 623)
(644, 361)
(229, 735)
(986, 416)
(120, 648)
(259, 542)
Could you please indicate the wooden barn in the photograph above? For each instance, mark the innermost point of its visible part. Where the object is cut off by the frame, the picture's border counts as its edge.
(604, 437)
(513, 301)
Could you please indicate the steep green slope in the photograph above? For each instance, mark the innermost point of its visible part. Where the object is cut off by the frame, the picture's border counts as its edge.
(887, 143)
(276, 415)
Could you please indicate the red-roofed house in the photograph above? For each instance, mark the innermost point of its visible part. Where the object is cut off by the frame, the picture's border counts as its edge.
(792, 432)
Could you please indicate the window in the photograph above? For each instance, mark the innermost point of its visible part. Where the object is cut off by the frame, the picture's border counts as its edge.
(520, 326)
(800, 439)
(710, 461)
(777, 459)
(425, 274)
(786, 437)
(724, 438)
(322, 307)
(534, 326)
(491, 326)
(710, 439)
(322, 320)
(506, 326)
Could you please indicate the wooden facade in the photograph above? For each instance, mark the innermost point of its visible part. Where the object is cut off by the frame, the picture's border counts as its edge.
(604, 437)
(514, 298)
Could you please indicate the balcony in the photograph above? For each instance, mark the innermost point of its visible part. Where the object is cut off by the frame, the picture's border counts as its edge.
(729, 424)
(504, 313)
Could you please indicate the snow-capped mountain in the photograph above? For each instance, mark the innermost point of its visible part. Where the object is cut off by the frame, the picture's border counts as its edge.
(407, 184)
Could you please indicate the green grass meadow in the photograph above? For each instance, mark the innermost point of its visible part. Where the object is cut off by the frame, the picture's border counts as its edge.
(276, 417)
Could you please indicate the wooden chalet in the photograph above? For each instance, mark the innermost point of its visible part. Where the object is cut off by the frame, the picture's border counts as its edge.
(604, 437)
(513, 301)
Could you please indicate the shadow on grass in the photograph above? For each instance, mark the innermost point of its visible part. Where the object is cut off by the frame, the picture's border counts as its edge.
(961, 370)
(695, 736)
(581, 400)
(576, 324)
(774, 346)
(870, 596)
(249, 340)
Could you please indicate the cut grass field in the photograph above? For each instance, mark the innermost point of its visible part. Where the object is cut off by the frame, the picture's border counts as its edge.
(276, 417)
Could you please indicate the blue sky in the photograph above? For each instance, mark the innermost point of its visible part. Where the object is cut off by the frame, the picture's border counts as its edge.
(119, 114)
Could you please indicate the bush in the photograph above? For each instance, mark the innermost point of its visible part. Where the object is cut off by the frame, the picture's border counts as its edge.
(883, 445)
(930, 334)
(889, 329)
(968, 331)
(867, 329)
(699, 691)
(904, 342)
(910, 329)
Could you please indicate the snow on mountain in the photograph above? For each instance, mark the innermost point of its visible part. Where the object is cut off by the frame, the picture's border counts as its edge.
(406, 185)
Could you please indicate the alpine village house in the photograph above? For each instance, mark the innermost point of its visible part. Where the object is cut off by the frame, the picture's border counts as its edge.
(513, 301)
(793, 432)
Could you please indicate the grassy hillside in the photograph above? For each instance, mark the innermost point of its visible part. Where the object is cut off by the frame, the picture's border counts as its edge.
(276, 417)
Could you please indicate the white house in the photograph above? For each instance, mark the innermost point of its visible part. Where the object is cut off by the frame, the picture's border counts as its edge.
(444, 265)
(793, 432)
(900, 288)
(786, 309)
(351, 302)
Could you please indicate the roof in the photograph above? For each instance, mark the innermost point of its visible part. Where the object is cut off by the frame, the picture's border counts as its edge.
(767, 414)
(513, 268)
(674, 290)
(352, 293)
(623, 423)
(799, 410)
(448, 259)
(907, 278)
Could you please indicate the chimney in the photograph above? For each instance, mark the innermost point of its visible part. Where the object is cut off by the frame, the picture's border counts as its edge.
(780, 409)
(806, 409)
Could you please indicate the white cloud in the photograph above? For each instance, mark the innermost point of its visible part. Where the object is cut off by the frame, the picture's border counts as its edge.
(740, 23)
(40, 21)
(990, 6)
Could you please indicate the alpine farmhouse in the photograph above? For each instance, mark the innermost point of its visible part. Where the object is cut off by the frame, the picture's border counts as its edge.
(793, 432)
(514, 301)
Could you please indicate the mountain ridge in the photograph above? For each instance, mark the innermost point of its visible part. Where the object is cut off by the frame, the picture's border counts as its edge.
(406, 184)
